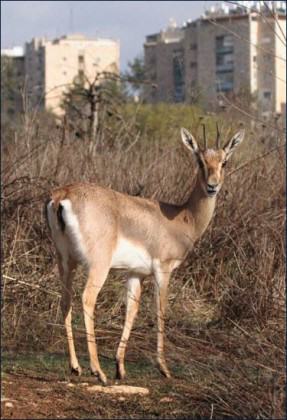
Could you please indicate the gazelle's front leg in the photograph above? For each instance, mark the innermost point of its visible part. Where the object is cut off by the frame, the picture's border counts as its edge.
(96, 279)
(66, 277)
(133, 298)
(162, 276)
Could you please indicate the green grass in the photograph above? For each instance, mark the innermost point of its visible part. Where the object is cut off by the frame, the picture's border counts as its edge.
(45, 363)
(36, 363)
(58, 365)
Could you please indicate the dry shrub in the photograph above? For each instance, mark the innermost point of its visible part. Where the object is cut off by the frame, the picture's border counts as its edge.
(225, 321)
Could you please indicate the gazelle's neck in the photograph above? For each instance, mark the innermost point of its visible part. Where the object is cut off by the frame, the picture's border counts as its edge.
(201, 208)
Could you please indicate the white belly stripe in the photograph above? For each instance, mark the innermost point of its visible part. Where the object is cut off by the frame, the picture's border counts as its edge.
(132, 257)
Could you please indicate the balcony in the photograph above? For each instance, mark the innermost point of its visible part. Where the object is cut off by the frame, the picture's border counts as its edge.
(224, 87)
(224, 49)
(224, 68)
(179, 93)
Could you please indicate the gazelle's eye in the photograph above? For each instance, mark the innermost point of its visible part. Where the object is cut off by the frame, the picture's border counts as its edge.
(224, 163)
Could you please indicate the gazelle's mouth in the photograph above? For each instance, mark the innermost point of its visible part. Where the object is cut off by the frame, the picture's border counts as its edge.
(211, 190)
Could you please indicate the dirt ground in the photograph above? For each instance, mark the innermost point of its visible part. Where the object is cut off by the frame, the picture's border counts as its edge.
(39, 385)
(27, 394)
(30, 397)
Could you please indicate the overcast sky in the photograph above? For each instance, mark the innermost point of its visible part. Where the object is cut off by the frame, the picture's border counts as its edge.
(128, 21)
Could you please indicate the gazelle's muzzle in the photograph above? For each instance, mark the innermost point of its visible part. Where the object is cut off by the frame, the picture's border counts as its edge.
(212, 189)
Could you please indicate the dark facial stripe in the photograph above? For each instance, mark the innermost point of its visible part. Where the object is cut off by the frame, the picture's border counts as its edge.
(60, 217)
(200, 163)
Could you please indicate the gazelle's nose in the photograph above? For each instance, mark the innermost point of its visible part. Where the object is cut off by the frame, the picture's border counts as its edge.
(212, 186)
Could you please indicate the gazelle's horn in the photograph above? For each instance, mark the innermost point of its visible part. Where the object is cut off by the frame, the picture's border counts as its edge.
(204, 137)
(217, 136)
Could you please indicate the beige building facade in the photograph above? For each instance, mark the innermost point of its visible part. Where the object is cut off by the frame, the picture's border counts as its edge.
(230, 51)
(52, 67)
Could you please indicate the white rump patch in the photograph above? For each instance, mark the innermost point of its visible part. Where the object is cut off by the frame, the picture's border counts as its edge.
(72, 231)
(69, 242)
(131, 257)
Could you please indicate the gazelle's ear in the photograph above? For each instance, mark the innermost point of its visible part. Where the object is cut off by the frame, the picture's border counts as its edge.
(189, 141)
(233, 143)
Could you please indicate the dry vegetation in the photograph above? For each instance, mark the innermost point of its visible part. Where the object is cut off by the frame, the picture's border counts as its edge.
(225, 318)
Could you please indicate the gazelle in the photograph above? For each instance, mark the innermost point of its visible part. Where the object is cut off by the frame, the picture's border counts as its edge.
(105, 229)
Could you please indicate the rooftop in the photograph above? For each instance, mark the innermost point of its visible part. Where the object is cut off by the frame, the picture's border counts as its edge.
(80, 37)
(221, 10)
(172, 33)
(235, 8)
(13, 52)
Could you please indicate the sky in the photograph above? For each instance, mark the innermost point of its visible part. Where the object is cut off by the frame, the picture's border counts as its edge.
(128, 21)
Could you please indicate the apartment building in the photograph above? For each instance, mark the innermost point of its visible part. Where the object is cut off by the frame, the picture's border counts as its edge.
(12, 81)
(51, 67)
(230, 50)
(164, 64)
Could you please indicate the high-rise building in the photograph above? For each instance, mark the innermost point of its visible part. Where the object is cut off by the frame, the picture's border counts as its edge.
(51, 67)
(231, 50)
(12, 81)
(164, 54)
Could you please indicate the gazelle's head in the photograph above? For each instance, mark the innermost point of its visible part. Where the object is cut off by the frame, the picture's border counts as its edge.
(211, 162)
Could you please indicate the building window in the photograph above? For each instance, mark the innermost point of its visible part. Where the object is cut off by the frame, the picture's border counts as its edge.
(254, 59)
(224, 82)
(79, 79)
(193, 64)
(178, 75)
(267, 95)
(224, 59)
(81, 62)
(224, 43)
(193, 46)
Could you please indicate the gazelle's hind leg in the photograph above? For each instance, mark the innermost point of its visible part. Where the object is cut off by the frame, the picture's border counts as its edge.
(133, 298)
(96, 278)
(66, 271)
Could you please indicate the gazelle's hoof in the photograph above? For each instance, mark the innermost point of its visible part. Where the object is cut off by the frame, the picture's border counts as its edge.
(120, 372)
(100, 375)
(77, 371)
(163, 369)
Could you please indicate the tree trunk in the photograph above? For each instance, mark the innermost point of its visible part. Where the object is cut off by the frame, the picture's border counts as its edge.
(93, 118)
